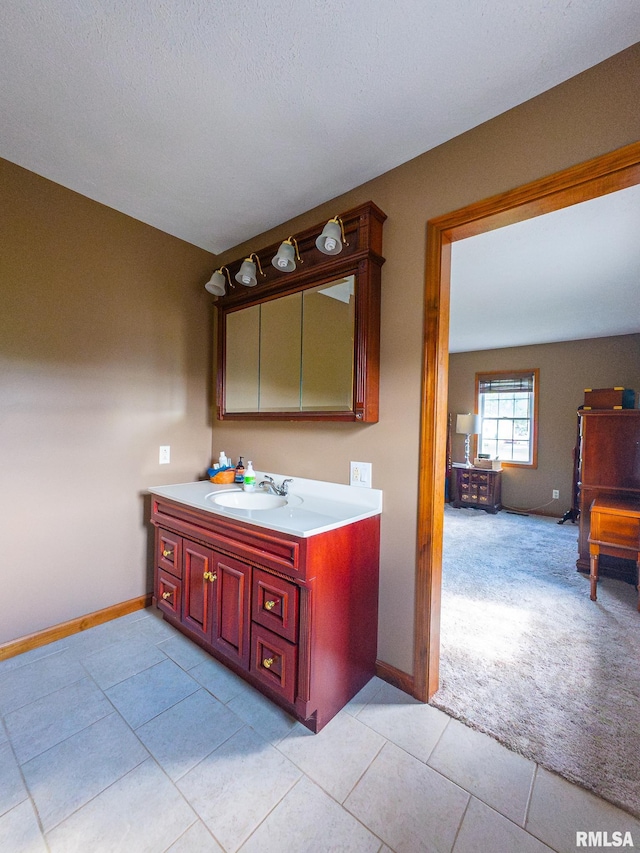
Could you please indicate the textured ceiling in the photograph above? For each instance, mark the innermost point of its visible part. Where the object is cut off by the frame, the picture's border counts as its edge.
(215, 121)
(570, 274)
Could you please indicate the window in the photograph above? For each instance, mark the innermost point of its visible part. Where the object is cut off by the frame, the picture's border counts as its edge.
(508, 406)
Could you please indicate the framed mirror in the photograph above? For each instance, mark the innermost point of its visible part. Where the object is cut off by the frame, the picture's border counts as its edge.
(304, 345)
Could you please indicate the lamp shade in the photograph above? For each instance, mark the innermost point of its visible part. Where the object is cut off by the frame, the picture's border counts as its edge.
(285, 259)
(468, 424)
(329, 241)
(247, 273)
(216, 284)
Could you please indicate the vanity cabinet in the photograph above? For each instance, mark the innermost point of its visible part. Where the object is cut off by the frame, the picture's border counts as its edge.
(295, 616)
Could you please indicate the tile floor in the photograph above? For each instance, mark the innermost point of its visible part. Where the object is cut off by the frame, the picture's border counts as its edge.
(128, 737)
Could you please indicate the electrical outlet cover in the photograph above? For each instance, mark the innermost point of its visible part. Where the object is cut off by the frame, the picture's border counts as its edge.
(360, 474)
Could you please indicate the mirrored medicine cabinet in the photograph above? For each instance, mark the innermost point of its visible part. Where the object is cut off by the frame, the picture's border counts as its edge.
(304, 345)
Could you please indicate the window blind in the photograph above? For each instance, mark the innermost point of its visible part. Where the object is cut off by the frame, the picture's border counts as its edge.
(505, 384)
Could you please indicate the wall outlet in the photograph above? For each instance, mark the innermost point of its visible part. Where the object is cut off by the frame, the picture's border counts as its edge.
(360, 474)
(165, 454)
(555, 495)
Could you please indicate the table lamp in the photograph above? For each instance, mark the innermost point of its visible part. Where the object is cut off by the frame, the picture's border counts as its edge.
(468, 425)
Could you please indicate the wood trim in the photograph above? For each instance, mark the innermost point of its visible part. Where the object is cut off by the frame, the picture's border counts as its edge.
(402, 680)
(608, 173)
(535, 372)
(73, 626)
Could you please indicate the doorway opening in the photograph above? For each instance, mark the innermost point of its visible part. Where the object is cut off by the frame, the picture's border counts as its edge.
(606, 174)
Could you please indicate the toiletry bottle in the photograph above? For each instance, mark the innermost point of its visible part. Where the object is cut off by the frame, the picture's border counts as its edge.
(249, 478)
(239, 478)
(222, 461)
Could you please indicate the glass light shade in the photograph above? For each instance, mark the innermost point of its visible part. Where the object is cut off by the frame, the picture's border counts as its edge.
(329, 241)
(247, 273)
(216, 284)
(285, 259)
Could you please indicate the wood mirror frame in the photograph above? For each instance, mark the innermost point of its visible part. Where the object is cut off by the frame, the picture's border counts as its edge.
(361, 257)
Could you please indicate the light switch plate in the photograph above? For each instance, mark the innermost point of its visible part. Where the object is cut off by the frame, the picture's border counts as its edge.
(165, 454)
(360, 474)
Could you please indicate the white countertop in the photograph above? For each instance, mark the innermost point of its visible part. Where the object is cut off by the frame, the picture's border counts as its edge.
(314, 506)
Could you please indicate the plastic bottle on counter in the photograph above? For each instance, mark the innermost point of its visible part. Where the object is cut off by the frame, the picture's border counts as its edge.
(222, 461)
(249, 478)
(239, 478)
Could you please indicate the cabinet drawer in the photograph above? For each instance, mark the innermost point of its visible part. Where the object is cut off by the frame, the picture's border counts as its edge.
(274, 604)
(168, 593)
(274, 662)
(169, 552)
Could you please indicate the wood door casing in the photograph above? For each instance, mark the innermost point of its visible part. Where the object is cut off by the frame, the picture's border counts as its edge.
(608, 173)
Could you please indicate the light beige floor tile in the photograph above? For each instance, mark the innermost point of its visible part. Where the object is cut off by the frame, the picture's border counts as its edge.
(69, 774)
(411, 725)
(140, 812)
(263, 715)
(485, 768)
(234, 788)
(51, 719)
(19, 831)
(364, 696)
(559, 809)
(182, 736)
(12, 789)
(218, 680)
(197, 839)
(337, 756)
(483, 830)
(121, 660)
(407, 804)
(308, 821)
(183, 652)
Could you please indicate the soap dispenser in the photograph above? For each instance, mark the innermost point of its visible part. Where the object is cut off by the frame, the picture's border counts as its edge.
(249, 478)
(239, 477)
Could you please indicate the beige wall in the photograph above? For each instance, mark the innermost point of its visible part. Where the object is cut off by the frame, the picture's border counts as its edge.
(104, 355)
(105, 350)
(566, 369)
(589, 115)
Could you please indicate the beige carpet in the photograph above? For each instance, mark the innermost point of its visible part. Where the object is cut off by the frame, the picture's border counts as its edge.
(527, 657)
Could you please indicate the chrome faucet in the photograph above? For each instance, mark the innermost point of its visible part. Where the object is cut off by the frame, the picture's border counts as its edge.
(269, 484)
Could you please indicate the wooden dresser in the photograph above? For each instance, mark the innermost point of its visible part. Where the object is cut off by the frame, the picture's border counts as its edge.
(477, 487)
(609, 465)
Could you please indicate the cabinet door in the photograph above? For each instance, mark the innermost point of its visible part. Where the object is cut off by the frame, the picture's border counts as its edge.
(199, 581)
(232, 590)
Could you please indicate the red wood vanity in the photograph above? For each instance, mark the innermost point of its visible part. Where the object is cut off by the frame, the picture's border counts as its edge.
(296, 617)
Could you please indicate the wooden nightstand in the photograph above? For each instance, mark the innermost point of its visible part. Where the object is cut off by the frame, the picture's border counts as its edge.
(477, 487)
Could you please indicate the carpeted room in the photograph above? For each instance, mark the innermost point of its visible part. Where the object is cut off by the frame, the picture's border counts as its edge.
(527, 657)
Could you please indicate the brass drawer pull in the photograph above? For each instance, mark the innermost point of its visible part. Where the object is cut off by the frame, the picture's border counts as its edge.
(267, 663)
(210, 576)
(167, 554)
(166, 595)
(269, 605)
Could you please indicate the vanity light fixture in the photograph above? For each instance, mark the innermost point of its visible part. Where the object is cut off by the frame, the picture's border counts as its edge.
(247, 273)
(329, 241)
(216, 284)
(285, 260)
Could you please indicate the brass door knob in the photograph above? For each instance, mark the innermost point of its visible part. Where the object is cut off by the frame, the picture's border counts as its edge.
(166, 553)
(267, 663)
(269, 605)
(210, 576)
(166, 595)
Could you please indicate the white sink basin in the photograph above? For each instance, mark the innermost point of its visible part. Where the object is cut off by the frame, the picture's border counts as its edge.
(249, 500)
